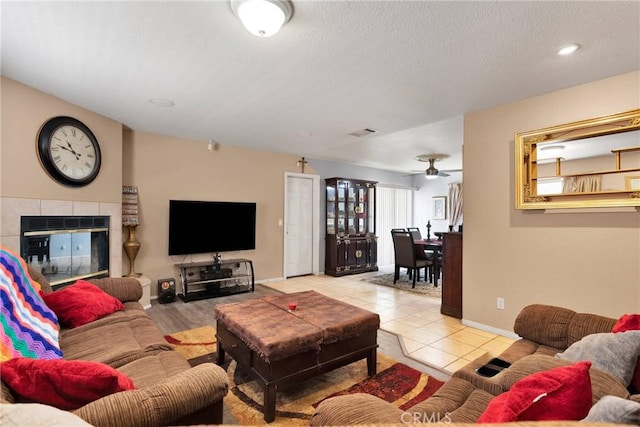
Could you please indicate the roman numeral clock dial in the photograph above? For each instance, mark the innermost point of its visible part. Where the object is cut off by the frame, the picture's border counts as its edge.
(69, 151)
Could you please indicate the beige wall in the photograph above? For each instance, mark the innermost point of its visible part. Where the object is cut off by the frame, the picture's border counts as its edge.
(24, 111)
(587, 261)
(166, 168)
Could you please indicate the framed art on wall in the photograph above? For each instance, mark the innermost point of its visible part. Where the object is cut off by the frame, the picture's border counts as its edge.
(439, 207)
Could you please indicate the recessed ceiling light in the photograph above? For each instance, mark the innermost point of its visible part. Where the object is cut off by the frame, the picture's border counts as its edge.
(162, 102)
(568, 49)
(304, 133)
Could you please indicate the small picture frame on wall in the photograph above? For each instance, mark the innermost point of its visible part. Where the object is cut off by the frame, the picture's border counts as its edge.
(439, 207)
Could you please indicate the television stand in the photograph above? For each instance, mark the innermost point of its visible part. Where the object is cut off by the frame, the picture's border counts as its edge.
(208, 279)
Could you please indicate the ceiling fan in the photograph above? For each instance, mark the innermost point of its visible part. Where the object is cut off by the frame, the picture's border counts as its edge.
(431, 172)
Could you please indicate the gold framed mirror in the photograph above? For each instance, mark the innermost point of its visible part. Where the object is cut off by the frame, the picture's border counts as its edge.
(585, 164)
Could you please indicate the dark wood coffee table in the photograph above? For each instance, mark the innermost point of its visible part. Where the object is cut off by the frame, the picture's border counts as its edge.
(279, 347)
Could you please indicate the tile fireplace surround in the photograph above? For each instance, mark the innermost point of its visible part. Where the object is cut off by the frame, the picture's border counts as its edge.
(12, 208)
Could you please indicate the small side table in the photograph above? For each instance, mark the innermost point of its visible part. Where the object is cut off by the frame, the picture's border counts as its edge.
(146, 291)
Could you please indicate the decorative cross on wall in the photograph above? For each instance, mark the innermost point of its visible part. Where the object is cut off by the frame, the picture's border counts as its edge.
(301, 163)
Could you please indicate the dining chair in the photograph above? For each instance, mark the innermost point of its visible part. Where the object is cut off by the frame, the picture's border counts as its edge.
(405, 256)
(400, 230)
(421, 253)
(415, 233)
(435, 269)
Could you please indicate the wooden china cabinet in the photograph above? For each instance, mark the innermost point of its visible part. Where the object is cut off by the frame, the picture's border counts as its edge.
(351, 242)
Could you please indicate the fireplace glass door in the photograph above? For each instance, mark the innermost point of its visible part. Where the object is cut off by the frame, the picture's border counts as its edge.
(67, 248)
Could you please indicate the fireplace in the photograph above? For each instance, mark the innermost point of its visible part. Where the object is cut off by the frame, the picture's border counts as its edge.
(66, 248)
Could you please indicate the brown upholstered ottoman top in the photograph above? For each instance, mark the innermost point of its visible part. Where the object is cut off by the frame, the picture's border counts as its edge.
(336, 319)
(268, 327)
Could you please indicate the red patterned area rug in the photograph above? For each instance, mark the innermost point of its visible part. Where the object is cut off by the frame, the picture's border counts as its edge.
(395, 382)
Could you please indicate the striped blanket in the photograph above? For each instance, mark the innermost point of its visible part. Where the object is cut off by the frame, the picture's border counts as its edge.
(29, 328)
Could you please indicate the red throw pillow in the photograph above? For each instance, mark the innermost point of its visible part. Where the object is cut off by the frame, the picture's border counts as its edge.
(630, 322)
(81, 303)
(562, 393)
(65, 384)
(627, 322)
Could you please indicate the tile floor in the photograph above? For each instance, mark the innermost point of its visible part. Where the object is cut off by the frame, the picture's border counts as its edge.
(426, 335)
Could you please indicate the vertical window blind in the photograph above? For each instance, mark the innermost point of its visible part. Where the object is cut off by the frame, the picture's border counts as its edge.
(394, 209)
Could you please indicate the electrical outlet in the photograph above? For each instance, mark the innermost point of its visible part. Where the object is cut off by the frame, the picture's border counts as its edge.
(500, 303)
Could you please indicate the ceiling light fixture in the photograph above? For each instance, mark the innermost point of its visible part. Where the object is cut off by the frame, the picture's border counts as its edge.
(262, 18)
(568, 49)
(431, 173)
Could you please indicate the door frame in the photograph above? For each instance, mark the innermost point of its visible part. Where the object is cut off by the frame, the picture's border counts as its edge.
(315, 219)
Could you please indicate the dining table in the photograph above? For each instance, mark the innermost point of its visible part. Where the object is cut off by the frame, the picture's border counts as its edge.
(434, 245)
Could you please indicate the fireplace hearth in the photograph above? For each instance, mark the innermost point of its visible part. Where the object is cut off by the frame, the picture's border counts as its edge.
(66, 248)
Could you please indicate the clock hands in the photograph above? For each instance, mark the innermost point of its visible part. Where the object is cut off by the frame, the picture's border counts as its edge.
(71, 150)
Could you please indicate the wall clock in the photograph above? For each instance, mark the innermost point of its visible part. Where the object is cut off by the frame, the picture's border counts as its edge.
(69, 151)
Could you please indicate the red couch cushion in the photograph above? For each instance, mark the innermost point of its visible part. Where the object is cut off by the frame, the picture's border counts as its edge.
(562, 393)
(630, 322)
(65, 384)
(81, 303)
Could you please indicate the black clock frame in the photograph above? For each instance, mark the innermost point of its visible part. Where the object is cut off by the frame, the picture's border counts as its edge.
(44, 141)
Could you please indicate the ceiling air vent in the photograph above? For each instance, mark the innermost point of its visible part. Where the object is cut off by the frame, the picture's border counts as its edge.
(363, 132)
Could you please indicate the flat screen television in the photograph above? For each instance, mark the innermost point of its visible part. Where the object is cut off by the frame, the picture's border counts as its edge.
(199, 226)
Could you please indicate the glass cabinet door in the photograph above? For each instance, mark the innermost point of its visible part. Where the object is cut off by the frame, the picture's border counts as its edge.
(342, 189)
(350, 209)
(331, 210)
(360, 211)
(371, 210)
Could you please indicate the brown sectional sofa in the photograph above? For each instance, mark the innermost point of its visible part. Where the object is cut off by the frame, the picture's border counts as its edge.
(544, 331)
(168, 390)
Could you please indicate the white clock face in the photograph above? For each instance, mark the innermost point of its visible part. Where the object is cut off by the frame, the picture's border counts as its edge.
(72, 152)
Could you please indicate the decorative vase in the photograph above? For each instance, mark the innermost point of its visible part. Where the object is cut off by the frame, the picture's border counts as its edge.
(131, 248)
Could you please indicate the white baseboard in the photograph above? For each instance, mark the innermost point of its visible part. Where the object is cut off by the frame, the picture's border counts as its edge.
(491, 329)
(146, 307)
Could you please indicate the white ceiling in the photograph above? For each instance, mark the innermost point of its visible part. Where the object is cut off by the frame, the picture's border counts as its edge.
(409, 69)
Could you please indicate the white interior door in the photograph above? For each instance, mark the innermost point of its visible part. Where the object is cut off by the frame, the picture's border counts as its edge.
(299, 227)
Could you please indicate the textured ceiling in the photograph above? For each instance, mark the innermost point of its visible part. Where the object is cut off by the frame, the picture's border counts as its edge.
(409, 69)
